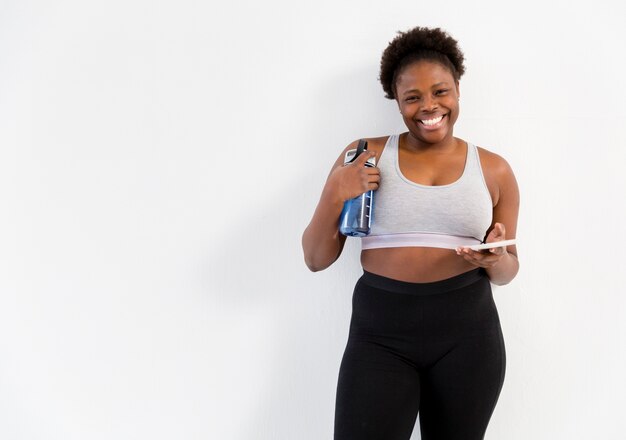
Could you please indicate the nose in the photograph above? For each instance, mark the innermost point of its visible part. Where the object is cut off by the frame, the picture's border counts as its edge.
(430, 103)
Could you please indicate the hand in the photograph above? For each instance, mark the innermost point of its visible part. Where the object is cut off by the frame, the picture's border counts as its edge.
(486, 257)
(353, 179)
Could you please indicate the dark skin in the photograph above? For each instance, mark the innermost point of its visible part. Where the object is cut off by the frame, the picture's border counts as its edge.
(428, 155)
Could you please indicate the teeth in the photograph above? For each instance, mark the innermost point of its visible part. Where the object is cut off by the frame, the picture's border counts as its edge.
(432, 121)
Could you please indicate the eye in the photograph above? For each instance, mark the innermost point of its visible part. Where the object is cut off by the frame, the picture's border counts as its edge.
(441, 92)
(411, 99)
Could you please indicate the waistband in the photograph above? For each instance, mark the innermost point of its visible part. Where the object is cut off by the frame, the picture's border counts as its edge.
(428, 239)
(441, 286)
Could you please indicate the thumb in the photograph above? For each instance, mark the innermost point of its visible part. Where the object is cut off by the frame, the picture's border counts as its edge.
(494, 234)
(498, 230)
(497, 234)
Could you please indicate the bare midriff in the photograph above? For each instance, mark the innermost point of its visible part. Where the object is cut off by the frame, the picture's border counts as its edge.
(415, 264)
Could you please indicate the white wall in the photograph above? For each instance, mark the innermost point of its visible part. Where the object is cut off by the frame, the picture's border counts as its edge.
(160, 160)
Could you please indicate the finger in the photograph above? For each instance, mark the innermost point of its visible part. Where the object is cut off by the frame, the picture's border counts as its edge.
(498, 250)
(498, 234)
(468, 255)
(479, 258)
(461, 250)
(372, 186)
(494, 234)
(501, 230)
(363, 157)
(490, 257)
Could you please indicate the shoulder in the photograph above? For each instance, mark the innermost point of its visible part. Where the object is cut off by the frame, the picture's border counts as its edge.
(372, 142)
(497, 170)
(493, 163)
(376, 144)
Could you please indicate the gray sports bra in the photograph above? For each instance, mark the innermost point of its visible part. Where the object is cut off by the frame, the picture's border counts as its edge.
(445, 216)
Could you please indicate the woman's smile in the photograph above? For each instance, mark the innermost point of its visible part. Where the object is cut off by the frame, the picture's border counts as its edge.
(428, 98)
(433, 123)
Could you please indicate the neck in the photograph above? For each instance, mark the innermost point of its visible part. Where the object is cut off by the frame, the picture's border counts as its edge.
(413, 144)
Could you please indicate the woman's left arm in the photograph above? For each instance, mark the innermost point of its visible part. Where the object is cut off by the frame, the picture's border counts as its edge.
(500, 263)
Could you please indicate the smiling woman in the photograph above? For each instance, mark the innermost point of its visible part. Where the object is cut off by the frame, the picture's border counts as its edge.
(425, 105)
(425, 335)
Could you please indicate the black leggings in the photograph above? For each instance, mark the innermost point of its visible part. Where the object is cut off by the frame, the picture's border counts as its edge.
(434, 348)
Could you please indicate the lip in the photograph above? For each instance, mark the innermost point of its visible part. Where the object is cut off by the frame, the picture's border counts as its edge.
(437, 126)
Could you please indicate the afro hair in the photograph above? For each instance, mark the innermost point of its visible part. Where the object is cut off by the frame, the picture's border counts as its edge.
(417, 44)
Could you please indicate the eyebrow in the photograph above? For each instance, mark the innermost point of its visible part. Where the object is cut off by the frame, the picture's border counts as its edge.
(434, 85)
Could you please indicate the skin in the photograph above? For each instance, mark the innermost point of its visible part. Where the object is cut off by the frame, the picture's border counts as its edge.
(424, 90)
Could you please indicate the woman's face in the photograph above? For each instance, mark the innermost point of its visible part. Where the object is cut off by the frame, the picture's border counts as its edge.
(428, 98)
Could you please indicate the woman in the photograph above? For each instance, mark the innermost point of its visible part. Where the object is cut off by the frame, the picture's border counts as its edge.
(425, 335)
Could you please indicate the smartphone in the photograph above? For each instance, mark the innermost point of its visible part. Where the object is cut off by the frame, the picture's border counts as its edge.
(495, 244)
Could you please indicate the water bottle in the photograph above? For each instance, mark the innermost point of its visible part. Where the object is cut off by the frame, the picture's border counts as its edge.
(357, 213)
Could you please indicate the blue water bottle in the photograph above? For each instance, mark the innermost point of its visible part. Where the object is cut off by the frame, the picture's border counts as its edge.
(357, 213)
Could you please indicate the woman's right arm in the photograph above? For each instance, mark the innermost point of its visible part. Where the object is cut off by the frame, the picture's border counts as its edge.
(321, 241)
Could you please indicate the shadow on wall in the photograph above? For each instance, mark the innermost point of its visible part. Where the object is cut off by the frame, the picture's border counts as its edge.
(297, 397)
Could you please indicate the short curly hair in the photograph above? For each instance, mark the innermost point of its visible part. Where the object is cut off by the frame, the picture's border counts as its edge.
(417, 44)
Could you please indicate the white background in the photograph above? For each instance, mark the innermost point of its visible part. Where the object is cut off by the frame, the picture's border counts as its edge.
(160, 160)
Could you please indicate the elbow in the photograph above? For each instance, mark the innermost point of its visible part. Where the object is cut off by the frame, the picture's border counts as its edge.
(314, 266)
(309, 259)
(317, 262)
(504, 281)
(504, 272)
(319, 257)
(312, 259)
(501, 283)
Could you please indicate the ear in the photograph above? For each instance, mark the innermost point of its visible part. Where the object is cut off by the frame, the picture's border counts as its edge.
(458, 90)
